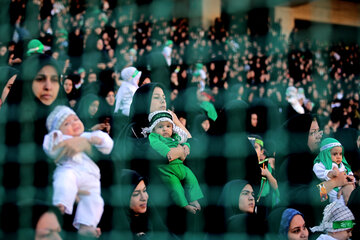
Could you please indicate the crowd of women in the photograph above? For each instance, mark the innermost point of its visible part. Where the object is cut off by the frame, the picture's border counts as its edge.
(252, 146)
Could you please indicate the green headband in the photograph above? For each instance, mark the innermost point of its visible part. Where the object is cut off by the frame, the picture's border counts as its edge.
(260, 142)
(135, 73)
(343, 224)
(263, 161)
(38, 49)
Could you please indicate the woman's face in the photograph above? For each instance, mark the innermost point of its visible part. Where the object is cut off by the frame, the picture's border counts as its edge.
(7, 89)
(297, 229)
(48, 227)
(45, 85)
(254, 119)
(158, 100)
(315, 136)
(68, 85)
(246, 199)
(93, 108)
(205, 125)
(110, 98)
(139, 198)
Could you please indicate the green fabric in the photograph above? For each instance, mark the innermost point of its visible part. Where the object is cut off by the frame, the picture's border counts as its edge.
(324, 156)
(163, 145)
(172, 175)
(260, 142)
(210, 110)
(35, 46)
(343, 224)
(266, 187)
(199, 66)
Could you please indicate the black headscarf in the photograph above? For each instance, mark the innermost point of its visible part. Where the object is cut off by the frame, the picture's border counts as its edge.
(229, 198)
(140, 106)
(348, 137)
(294, 165)
(25, 125)
(135, 223)
(240, 157)
(18, 216)
(5, 74)
(236, 220)
(29, 70)
(293, 146)
(129, 180)
(82, 110)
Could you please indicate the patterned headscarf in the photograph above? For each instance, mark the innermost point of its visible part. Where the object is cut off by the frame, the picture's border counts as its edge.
(337, 218)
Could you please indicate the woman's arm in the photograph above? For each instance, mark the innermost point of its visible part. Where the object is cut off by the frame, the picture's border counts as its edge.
(179, 124)
(73, 146)
(341, 180)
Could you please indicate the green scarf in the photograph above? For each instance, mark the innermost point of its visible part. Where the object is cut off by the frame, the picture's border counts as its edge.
(210, 110)
(324, 156)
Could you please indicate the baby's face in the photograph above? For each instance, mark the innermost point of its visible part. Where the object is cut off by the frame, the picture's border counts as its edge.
(165, 129)
(336, 154)
(342, 235)
(72, 126)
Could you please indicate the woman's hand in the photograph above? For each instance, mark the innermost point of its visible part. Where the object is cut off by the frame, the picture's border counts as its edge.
(73, 146)
(351, 178)
(340, 178)
(179, 124)
(265, 172)
(175, 119)
(176, 153)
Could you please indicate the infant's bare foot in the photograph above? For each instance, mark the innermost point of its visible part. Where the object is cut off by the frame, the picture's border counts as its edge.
(61, 208)
(89, 231)
(190, 209)
(196, 204)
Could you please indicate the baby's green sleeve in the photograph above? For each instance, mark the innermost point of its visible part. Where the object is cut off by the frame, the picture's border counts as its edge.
(158, 145)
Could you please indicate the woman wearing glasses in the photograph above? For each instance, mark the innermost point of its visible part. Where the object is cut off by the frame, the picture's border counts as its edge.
(297, 184)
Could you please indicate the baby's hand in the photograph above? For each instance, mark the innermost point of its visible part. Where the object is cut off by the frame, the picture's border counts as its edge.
(95, 140)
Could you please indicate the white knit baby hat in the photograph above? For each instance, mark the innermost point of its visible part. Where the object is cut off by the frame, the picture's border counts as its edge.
(337, 218)
(57, 117)
(130, 74)
(163, 116)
